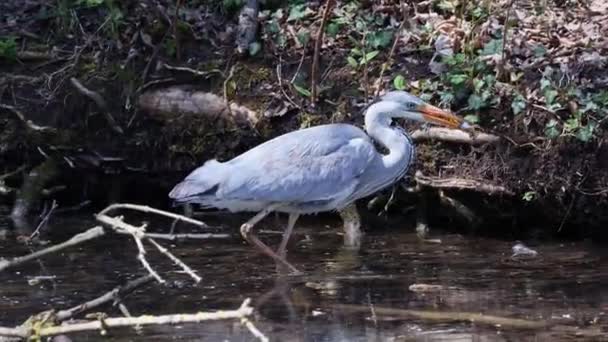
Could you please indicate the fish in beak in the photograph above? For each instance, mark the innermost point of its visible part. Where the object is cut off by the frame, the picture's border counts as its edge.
(441, 117)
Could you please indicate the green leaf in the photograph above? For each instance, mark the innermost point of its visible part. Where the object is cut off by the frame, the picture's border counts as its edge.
(550, 96)
(585, 133)
(544, 84)
(399, 82)
(446, 97)
(518, 104)
(529, 196)
(456, 79)
(368, 57)
(493, 47)
(333, 29)
(381, 39)
(539, 51)
(551, 129)
(303, 36)
(352, 61)
(254, 48)
(472, 118)
(299, 12)
(301, 90)
(8, 48)
(571, 124)
(475, 102)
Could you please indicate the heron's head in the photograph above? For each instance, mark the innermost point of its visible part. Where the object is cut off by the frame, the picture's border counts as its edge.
(414, 108)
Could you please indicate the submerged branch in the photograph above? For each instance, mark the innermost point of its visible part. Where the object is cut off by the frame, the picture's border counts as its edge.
(110, 296)
(90, 234)
(434, 316)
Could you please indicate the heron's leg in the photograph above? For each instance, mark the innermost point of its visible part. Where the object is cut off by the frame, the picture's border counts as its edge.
(291, 222)
(247, 233)
(352, 225)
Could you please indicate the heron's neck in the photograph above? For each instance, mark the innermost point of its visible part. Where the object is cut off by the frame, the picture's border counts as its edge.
(395, 141)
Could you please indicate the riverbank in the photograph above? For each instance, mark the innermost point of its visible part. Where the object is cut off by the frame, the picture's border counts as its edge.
(74, 73)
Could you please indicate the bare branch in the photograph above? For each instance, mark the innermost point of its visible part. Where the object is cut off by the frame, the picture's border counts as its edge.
(32, 126)
(90, 234)
(99, 100)
(146, 209)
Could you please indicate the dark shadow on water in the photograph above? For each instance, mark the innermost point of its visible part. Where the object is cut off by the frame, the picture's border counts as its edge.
(566, 283)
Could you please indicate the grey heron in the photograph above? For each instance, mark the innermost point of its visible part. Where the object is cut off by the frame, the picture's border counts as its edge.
(317, 169)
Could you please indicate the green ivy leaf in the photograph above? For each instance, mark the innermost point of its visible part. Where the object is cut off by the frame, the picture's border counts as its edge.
(585, 133)
(298, 12)
(551, 129)
(303, 36)
(519, 104)
(399, 82)
(456, 79)
(381, 39)
(493, 47)
(475, 102)
(333, 29)
(550, 96)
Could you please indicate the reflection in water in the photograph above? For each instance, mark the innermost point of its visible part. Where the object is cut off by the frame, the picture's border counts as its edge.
(564, 284)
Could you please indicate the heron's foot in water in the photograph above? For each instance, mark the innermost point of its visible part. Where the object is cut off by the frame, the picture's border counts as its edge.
(247, 233)
(352, 226)
(352, 235)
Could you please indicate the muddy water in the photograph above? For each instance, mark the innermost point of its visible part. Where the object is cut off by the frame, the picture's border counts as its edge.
(566, 285)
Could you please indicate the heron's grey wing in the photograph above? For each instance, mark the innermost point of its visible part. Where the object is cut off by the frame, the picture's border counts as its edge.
(307, 165)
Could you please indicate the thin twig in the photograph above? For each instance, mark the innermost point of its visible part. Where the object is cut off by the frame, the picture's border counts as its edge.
(230, 75)
(389, 60)
(315, 59)
(28, 123)
(90, 234)
(100, 101)
(106, 298)
(12, 173)
(44, 220)
(178, 262)
(146, 209)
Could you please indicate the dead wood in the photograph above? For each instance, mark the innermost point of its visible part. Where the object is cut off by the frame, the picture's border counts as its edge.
(454, 136)
(461, 184)
(170, 103)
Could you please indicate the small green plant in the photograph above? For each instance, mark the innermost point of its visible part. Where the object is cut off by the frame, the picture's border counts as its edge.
(8, 48)
(529, 196)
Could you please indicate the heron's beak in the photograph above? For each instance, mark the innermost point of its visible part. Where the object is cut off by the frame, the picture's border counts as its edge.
(441, 117)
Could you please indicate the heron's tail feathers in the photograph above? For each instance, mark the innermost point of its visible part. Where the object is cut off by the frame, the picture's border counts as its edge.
(200, 183)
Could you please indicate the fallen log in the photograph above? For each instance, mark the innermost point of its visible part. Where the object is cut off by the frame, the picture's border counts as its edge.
(169, 103)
